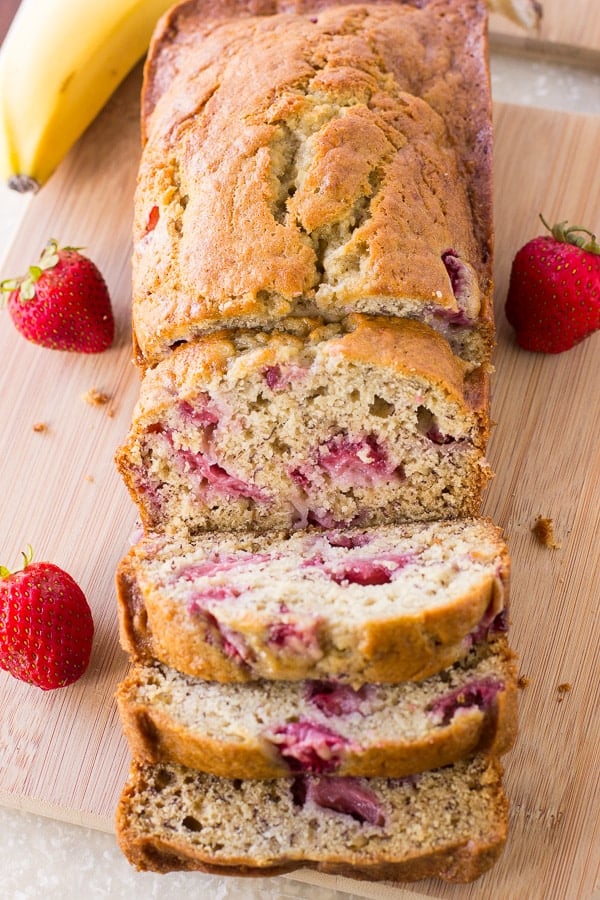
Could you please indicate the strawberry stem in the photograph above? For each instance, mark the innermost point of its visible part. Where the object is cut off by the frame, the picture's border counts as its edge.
(27, 556)
(576, 235)
(27, 559)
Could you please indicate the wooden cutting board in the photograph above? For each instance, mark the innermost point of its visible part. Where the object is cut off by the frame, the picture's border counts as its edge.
(569, 29)
(62, 753)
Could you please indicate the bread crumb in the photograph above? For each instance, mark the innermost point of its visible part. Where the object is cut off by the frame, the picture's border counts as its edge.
(90, 478)
(523, 682)
(563, 689)
(95, 397)
(40, 427)
(543, 529)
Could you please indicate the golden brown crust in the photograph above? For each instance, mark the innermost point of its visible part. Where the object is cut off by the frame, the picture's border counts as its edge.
(461, 864)
(406, 347)
(395, 120)
(133, 621)
(410, 347)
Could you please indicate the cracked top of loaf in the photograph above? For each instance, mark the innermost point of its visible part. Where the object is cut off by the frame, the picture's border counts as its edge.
(314, 159)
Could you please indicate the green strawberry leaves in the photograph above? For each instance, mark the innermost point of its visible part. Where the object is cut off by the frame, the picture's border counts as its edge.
(576, 235)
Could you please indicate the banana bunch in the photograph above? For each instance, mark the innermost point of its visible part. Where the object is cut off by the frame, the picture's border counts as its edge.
(60, 62)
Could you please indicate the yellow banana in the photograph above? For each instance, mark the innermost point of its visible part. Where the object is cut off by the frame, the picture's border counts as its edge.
(60, 62)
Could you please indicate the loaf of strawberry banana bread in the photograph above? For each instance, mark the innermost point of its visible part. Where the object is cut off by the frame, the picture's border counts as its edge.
(390, 604)
(316, 158)
(272, 729)
(449, 822)
(374, 424)
(315, 607)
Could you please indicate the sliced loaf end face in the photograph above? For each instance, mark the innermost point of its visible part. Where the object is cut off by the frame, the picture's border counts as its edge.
(449, 823)
(239, 431)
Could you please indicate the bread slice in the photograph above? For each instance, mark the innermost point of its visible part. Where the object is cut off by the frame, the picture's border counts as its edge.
(313, 158)
(270, 729)
(240, 431)
(449, 822)
(389, 604)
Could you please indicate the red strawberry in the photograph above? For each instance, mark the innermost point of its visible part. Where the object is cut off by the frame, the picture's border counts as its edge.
(46, 626)
(553, 297)
(62, 303)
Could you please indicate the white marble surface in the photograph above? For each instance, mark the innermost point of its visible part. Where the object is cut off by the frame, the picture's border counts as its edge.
(546, 84)
(43, 858)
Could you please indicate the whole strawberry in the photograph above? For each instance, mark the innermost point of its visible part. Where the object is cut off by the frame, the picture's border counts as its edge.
(46, 625)
(62, 303)
(553, 297)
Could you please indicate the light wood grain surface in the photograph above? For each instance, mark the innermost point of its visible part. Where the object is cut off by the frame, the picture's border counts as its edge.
(569, 29)
(62, 753)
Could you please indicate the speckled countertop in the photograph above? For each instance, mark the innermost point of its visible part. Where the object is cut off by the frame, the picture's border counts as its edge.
(43, 858)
